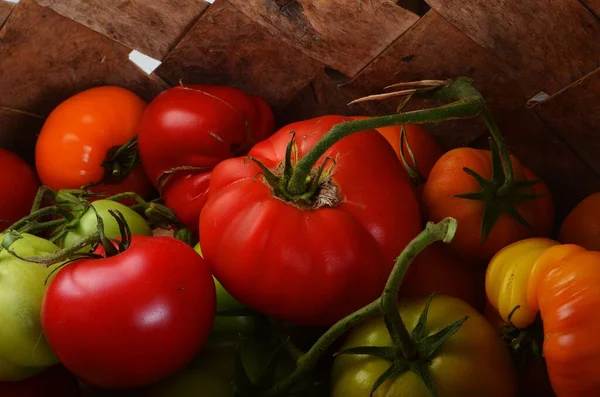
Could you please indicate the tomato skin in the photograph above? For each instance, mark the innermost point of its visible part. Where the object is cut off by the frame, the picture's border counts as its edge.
(582, 225)
(52, 382)
(438, 270)
(88, 223)
(567, 293)
(188, 130)
(318, 265)
(448, 179)
(78, 134)
(473, 362)
(132, 319)
(22, 286)
(18, 186)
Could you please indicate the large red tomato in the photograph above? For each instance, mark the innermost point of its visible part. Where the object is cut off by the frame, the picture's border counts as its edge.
(18, 187)
(82, 133)
(187, 130)
(131, 319)
(309, 263)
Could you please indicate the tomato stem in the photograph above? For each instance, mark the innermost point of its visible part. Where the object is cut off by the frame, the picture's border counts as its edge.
(386, 303)
(442, 231)
(504, 153)
(467, 103)
(413, 171)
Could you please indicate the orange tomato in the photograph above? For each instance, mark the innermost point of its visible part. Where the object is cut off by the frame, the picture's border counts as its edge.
(582, 224)
(422, 144)
(448, 179)
(82, 132)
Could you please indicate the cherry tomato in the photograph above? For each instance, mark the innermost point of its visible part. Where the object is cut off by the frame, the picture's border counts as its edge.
(18, 187)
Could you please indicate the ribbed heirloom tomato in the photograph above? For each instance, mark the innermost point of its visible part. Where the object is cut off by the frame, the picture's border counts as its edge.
(314, 256)
(83, 132)
(187, 130)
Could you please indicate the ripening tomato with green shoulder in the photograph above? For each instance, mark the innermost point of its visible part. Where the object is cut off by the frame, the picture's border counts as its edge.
(471, 186)
(24, 349)
(82, 143)
(472, 362)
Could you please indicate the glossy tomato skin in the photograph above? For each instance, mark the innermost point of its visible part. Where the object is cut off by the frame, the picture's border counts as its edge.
(187, 130)
(18, 187)
(566, 291)
(309, 267)
(473, 362)
(448, 179)
(132, 319)
(78, 134)
(23, 285)
(88, 223)
(52, 382)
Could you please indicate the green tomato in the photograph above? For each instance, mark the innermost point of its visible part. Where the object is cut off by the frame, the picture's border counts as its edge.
(88, 223)
(473, 362)
(24, 351)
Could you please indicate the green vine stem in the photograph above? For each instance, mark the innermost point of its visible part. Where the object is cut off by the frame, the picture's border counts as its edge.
(442, 231)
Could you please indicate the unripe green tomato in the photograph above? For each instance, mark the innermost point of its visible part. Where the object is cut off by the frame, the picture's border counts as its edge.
(88, 223)
(24, 351)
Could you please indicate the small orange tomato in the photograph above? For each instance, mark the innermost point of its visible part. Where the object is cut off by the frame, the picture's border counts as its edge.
(582, 224)
(79, 139)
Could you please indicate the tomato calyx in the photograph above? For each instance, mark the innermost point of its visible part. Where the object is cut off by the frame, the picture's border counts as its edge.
(413, 172)
(501, 194)
(525, 344)
(118, 164)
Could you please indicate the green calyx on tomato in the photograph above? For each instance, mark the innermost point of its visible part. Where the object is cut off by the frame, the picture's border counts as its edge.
(24, 350)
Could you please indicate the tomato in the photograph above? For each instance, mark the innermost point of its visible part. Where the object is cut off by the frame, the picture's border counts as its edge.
(132, 319)
(425, 149)
(52, 382)
(84, 131)
(437, 269)
(507, 279)
(564, 286)
(448, 180)
(582, 225)
(187, 130)
(473, 362)
(309, 264)
(88, 223)
(24, 350)
(18, 186)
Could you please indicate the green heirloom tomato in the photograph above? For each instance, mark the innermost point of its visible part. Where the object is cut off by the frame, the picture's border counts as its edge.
(24, 350)
(473, 362)
(88, 223)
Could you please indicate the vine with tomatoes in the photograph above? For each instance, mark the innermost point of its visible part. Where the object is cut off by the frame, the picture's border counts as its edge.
(188, 247)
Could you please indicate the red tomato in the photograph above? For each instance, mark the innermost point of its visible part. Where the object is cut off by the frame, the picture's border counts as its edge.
(131, 319)
(82, 132)
(53, 382)
(18, 187)
(309, 265)
(186, 131)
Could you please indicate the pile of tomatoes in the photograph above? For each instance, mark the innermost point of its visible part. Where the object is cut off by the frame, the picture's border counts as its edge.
(187, 247)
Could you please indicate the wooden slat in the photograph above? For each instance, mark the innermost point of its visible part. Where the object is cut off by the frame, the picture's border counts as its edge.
(541, 149)
(130, 76)
(593, 6)
(18, 132)
(435, 49)
(151, 27)
(226, 47)
(5, 10)
(554, 42)
(345, 35)
(574, 112)
(45, 58)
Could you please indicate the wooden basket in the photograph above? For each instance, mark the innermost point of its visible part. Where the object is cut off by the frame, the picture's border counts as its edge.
(311, 57)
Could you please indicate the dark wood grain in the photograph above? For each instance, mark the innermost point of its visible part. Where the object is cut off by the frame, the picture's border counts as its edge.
(554, 42)
(540, 148)
(45, 58)
(5, 10)
(593, 6)
(574, 113)
(345, 35)
(435, 49)
(130, 76)
(226, 47)
(151, 27)
(18, 132)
